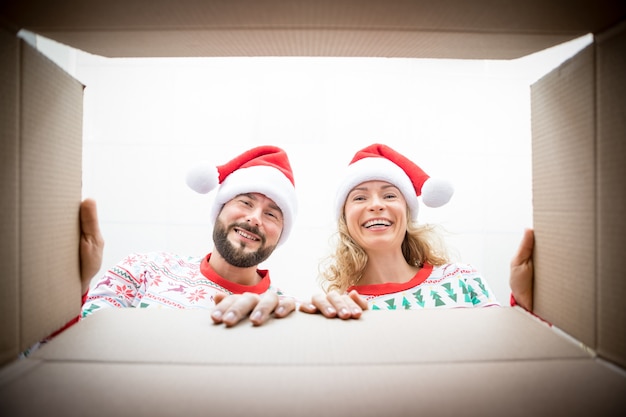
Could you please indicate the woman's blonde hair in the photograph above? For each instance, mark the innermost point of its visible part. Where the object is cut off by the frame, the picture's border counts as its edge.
(344, 268)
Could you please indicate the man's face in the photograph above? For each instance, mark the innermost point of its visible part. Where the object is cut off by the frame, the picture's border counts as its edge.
(247, 229)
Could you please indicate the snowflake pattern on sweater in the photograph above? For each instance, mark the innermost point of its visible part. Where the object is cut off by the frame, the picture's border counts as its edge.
(164, 280)
(446, 286)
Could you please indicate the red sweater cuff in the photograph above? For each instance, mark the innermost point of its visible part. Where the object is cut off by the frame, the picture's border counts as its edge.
(72, 321)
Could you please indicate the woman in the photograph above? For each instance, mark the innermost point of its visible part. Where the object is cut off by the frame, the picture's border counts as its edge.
(382, 253)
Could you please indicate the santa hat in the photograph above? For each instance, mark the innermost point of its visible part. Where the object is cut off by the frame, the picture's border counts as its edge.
(381, 163)
(264, 169)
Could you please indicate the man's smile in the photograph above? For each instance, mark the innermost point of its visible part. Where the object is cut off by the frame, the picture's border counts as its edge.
(245, 234)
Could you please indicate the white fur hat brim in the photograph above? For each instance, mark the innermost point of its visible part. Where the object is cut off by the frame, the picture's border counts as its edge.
(375, 169)
(264, 180)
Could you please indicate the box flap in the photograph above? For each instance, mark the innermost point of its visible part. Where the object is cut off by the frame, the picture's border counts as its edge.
(9, 203)
(487, 334)
(41, 161)
(307, 42)
(564, 199)
(579, 196)
(611, 194)
(478, 362)
(480, 29)
(50, 194)
(520, 388)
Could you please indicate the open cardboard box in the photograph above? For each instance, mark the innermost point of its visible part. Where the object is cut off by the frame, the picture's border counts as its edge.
(474, 362)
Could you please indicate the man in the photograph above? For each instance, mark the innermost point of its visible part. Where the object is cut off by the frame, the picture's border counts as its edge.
(253, 213)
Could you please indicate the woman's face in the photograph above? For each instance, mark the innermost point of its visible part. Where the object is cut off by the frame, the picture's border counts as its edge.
(376, 216)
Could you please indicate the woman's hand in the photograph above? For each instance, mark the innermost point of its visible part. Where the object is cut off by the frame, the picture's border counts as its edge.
(333, 304)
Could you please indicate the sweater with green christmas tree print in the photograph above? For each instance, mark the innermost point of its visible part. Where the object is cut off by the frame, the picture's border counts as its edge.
(445, 286)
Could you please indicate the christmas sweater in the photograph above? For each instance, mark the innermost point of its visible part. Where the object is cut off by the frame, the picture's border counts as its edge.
(446, 286)
(164, 280)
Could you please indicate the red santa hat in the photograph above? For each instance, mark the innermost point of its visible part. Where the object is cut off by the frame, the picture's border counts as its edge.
(381, 163)
(264, 169)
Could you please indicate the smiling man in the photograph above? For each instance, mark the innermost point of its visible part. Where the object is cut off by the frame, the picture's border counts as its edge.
(253, 213)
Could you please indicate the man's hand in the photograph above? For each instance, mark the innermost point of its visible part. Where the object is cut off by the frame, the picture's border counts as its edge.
(521, 279)
(333, 304)
(231, 309)
(91, 243)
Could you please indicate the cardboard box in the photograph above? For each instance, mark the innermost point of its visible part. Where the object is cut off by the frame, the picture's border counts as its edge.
(41, 183)
(492, 361)
(306, 365)
(529, 371)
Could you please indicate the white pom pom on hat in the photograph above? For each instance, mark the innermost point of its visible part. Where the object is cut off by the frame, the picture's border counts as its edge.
(203, 178)
(264, 169)
(379, 162)
(436, 192)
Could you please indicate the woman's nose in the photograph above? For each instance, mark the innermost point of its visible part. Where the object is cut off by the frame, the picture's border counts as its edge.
(376, 203)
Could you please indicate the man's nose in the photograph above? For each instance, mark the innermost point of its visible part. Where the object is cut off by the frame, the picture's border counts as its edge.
(254, 217)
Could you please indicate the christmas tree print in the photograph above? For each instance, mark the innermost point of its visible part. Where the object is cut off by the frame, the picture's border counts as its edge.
(473, 295)
(481, 285)
(449, 290)
(391, 304)
(438, 302)
(419, 297)
(466, 291)
(90, 309)
(406, 303)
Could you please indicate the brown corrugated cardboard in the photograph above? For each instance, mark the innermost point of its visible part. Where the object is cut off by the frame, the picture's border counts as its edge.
(579, 195)
(418, 28)
(50, 177)
(9, 208)
(341, 43)
(611, 193)
(564, 204)
(42, 144)
(136, 335)
(520, 388)
(150, 362)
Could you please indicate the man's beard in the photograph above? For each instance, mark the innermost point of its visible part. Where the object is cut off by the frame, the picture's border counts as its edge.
(236, 255)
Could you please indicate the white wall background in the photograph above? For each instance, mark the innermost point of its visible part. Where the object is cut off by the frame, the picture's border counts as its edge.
(146, 121)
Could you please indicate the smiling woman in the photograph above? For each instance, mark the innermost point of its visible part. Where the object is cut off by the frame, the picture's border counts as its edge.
(382, 252)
